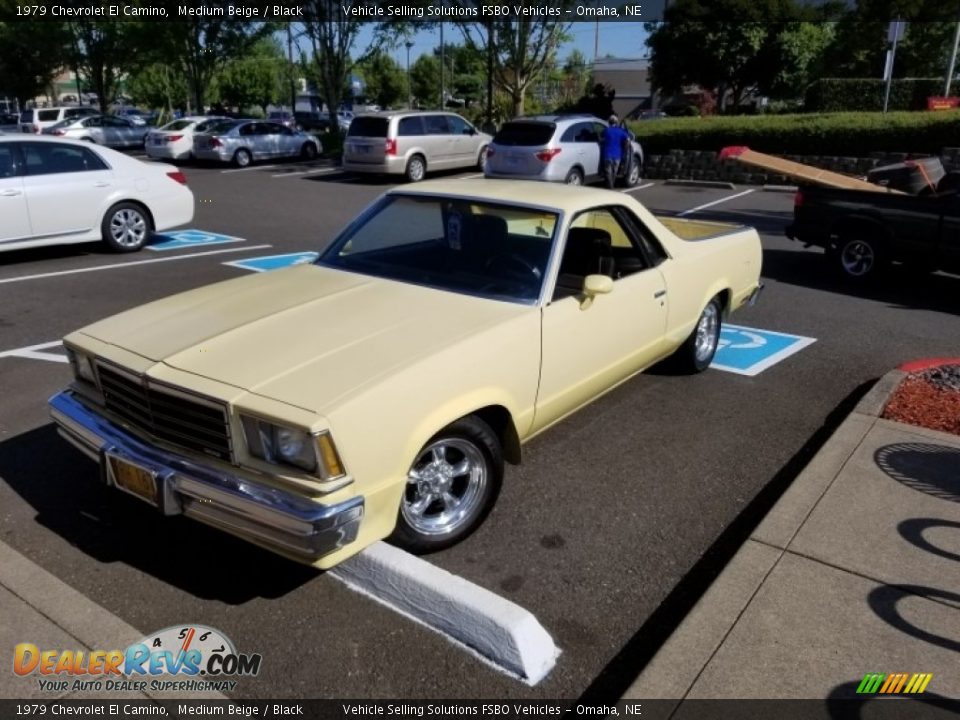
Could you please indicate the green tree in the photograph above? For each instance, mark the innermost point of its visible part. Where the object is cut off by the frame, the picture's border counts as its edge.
(794, 58)
(425, 80)
(259, 78)
(197, 49)
(384, 80)
(31, 56)
(156, 85)
(103, 52)
(332, 40)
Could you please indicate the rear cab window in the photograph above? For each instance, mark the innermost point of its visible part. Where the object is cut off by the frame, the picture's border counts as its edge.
(48, 115)
(525, 134)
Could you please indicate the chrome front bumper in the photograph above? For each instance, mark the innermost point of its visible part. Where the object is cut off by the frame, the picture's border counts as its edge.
(280, 520)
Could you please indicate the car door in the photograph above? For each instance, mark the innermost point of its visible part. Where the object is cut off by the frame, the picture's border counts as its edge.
(589, 346)
(65, 187)
(437, 142)
(14, 217)
(289, 142)
(464, 144)
(123, 132)
(254, 137)
(272, 139)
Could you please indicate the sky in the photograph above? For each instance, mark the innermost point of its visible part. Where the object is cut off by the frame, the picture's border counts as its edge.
(620, 39)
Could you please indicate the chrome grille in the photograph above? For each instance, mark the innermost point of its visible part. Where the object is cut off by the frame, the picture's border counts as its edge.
(166, 414)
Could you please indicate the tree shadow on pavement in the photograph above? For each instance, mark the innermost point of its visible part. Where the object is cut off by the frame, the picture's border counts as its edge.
(927, 467)
(912, 531)
(63, 486)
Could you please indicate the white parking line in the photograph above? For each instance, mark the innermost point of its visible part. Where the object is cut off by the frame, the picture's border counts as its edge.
(31, 352)
(299, 173)
(251, 167)
(638, 187)
(715, 202)
(114, 266)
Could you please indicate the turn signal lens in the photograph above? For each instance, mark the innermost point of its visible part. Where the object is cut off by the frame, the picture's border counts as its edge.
(329, 457)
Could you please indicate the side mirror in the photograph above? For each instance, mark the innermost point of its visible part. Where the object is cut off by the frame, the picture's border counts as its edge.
(594, 285)
(470, 131)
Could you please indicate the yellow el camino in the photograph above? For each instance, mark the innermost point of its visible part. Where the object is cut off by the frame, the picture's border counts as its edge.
(378, 392)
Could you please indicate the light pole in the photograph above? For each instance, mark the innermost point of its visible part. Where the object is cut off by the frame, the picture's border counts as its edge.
(409, 44)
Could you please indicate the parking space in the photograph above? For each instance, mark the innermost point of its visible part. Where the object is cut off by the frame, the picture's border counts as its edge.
(608, 512)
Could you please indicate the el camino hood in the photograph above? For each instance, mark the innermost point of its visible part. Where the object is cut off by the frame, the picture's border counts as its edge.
(307, 336)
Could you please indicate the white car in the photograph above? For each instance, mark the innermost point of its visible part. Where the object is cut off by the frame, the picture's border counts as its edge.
(174, 141)
(58, 191)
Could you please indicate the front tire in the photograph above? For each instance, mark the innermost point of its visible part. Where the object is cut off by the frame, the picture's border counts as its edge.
(697, 351)
(451, 487)
(482, 159)
(126, 227)
(308, 151)
(416, 169)
(633, 176)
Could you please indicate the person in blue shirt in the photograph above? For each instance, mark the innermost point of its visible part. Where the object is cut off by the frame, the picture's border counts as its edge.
(614, 144)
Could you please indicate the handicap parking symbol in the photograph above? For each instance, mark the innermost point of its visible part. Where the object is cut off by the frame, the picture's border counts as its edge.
(750, 351)
(179, 239)
(274, 262)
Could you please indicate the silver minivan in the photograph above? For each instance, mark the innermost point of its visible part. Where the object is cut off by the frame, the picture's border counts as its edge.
(412, 143)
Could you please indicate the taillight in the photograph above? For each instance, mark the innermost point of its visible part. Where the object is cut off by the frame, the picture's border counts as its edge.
(798, 199)
(547, 155)
(37, 129)
(390, 146)
(178, 177)
(215, 142)
(173, 138)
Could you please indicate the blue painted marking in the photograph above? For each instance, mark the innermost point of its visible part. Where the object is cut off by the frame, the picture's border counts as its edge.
(274, 262)
(179, 239)
(749, 351)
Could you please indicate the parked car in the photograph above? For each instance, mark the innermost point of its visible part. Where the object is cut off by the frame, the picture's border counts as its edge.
(555, 148)
(56, 191)
(412, 143)
(106, 130)
(863, 231)
(136, 116)
(34, 120)
(174, 141)
(378, 391)
(245, 141)
(282, 117)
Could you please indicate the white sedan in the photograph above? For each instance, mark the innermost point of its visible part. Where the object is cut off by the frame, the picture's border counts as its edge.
(55, 191)
(174, 141)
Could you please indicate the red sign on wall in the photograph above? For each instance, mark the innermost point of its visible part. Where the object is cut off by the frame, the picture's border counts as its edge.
(942, 103)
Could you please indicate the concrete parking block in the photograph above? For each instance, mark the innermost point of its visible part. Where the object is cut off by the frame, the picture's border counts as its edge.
(500, 631)
(813, 631)
(677, 664)
(884, 542)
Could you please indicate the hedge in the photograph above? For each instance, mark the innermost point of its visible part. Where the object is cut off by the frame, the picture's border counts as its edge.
(866, 94)
(847, 134)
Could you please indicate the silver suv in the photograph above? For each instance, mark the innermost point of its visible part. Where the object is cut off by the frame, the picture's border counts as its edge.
(555, 148)
(412, 143)
(35, 120)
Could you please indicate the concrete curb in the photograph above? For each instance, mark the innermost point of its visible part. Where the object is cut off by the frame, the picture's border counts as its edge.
(500, 631)
(682, 658)
(720, 184)
(91, 625)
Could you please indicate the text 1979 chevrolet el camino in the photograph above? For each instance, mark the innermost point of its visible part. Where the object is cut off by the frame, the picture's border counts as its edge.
(378, 391)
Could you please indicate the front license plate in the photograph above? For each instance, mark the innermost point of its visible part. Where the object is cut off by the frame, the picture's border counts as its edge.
(134, 479)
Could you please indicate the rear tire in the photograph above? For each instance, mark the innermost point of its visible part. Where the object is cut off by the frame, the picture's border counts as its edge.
(574, 177)
(697, 351)
(242, 158)
(858, 258)
(126, 227)
(416, 169)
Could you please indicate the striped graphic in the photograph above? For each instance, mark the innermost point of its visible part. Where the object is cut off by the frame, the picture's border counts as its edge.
(894, 683)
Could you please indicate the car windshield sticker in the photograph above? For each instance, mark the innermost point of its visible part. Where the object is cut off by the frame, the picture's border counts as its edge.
(454, 225)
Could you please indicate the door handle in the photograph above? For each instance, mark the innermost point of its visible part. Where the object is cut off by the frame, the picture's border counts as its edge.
(101, 184)
(11, 193)
(659, 293)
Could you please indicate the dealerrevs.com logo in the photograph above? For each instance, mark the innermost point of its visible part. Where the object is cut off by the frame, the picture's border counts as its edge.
(185, 658)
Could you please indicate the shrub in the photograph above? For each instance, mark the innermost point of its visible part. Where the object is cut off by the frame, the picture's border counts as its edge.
(866, 94)
(845, 134)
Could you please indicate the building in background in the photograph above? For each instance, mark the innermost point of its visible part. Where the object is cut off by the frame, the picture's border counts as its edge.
(630, 80)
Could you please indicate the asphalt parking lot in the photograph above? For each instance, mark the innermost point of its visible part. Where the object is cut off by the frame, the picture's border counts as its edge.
(616, 519)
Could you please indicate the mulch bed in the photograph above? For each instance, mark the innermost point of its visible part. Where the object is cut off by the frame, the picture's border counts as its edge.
(928, 398)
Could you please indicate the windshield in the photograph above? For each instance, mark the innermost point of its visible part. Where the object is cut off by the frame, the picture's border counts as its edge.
(221, 126)
(455, 244)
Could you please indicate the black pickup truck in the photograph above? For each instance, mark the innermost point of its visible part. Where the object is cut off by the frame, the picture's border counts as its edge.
(864, 231)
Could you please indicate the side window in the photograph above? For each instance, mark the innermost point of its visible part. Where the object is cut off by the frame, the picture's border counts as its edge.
(93, 122)
(437, 125)
(586, 133)
(458, 126)
(50, 158)
(249, 129)
(410, 126)
(7, 166)
(597, 244)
